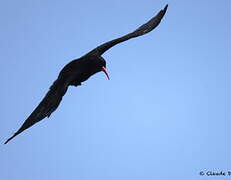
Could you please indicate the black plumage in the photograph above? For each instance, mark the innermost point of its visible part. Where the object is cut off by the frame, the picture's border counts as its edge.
(80, 70)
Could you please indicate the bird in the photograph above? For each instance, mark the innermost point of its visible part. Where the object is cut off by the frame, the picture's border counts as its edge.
(79, 70)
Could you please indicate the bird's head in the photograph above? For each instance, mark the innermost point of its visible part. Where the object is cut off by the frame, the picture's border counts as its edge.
(98, 64)
(101, 66)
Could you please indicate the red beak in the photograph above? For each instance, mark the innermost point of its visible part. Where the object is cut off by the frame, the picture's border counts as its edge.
(105, 71)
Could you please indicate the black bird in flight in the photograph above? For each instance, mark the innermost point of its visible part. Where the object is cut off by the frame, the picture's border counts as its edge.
(80, 70)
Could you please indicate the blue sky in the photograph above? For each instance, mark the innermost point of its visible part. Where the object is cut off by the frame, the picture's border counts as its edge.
(165, 113)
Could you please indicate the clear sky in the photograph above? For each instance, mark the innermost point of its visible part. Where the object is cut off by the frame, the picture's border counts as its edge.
(165, 113)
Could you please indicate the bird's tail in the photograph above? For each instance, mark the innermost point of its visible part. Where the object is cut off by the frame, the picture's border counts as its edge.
(48, 105)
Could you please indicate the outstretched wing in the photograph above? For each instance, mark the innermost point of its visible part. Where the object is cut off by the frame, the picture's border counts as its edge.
(145, 28)
(48, 105)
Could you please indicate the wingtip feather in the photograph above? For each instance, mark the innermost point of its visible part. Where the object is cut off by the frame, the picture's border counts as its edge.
(11, 138)
(8, 140)
(166, 7)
